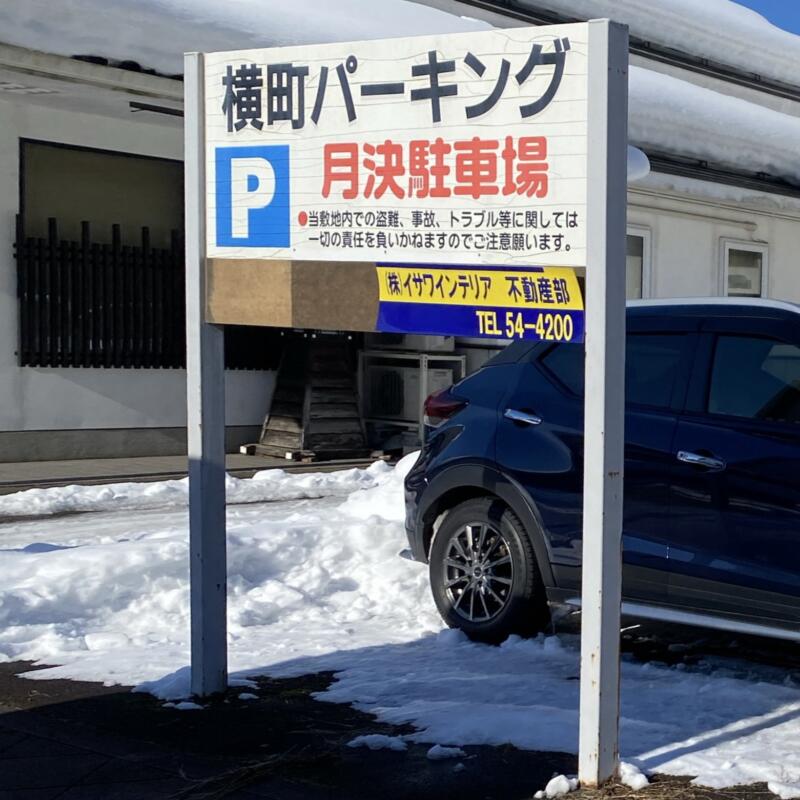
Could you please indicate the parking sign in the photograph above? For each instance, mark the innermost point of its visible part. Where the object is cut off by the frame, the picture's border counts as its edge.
(252, 196)
(461, 149)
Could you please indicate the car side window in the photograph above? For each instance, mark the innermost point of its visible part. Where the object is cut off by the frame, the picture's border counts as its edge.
(756, 378)
(565, 362)
(652, 361)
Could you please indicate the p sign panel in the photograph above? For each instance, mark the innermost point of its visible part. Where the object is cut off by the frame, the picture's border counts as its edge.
(252, 191)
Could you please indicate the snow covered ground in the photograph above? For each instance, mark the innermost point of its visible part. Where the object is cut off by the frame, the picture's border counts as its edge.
(315, 584)
(265, 486)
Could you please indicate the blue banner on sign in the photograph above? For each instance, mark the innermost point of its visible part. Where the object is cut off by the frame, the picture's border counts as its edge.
(490, 323)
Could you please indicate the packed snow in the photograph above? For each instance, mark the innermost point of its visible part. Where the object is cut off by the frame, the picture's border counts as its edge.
(316, 584)
(638, 165)
(187, 705)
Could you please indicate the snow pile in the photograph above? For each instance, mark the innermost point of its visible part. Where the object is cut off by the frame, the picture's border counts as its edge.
(379, 741)
(386, 500)
(317, 585)
(156, 33)
(440, 753)
(631, 776)
(265, 486)
(557, 786)
(106, 596)
(186, 705)
(720, 30)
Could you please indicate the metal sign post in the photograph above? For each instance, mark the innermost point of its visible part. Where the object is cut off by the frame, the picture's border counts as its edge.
(604, 415)
(205, 389)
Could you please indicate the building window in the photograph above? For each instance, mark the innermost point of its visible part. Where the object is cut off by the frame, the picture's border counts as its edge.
(744, 269)
(637, 263)
(100, 264)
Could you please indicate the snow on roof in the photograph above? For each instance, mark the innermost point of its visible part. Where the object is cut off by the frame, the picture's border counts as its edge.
(673, 116)
(156, 33)
(666, 114)
(720, 30)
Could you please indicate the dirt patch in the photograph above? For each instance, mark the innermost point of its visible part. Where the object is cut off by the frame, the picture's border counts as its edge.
(669, 787)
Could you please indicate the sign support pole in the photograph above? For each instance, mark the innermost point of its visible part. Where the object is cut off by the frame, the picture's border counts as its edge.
(205, 385)
(604, 415)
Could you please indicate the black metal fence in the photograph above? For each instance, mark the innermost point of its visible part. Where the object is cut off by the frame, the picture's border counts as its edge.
(87, 304)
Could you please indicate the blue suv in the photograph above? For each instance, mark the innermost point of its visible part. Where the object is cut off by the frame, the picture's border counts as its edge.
(711, 530)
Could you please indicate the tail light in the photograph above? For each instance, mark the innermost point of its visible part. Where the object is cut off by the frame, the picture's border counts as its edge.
(441, 406)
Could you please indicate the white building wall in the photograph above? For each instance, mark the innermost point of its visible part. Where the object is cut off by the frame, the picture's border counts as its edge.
(687, 236)
(33, 399)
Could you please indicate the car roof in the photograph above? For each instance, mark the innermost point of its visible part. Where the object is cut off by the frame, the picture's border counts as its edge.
(713, 306)
(673, 307)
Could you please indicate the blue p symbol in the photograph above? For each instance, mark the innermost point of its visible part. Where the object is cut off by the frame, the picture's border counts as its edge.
(253, 196)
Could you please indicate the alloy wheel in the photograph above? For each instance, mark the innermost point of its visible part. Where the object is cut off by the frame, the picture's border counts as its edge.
(478, 572)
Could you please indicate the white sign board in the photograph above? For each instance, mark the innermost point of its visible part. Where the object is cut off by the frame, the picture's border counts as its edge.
(460, 149)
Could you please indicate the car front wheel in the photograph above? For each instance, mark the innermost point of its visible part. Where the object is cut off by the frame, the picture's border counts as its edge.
(484, 575)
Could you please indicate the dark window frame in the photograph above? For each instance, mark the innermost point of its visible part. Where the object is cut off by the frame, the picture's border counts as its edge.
(26, 140)
(60, 327)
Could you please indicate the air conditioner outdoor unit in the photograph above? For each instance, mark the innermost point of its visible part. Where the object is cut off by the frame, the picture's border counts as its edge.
(400, 341)
(393, 392)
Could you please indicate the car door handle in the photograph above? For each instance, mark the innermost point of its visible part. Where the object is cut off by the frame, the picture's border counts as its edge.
(709, 462)
(522, 416)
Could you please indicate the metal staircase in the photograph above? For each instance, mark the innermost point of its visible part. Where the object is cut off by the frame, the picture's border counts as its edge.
(315, 412)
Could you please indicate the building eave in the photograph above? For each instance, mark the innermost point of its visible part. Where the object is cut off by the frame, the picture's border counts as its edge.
(62, 69)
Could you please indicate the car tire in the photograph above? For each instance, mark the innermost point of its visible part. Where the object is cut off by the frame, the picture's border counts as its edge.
(484, 575)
